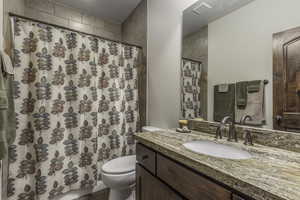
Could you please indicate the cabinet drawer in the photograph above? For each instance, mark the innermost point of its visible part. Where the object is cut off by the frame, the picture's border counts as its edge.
(190, 184)
(146, 157)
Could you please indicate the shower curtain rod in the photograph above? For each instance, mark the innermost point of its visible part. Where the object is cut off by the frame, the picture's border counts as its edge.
(73, 30)
(191, 60)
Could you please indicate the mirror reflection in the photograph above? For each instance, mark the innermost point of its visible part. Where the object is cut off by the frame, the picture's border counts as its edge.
(227, 70)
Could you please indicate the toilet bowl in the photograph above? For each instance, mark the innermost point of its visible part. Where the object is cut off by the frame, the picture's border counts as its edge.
(119, 175)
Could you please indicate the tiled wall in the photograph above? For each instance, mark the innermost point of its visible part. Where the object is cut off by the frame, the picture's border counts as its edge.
(52, 12)
(134, 31)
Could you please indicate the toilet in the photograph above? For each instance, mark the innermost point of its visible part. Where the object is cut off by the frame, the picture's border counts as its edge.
(150, 129)
(119, 175)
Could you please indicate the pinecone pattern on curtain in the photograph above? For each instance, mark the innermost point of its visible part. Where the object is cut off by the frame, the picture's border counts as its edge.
(76, 106)
(190, 89)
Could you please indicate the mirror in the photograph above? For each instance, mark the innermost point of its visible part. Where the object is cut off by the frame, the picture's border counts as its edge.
(194, 67)
(228, 49)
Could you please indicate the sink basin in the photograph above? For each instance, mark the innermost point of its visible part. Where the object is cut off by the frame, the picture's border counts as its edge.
(217, 150)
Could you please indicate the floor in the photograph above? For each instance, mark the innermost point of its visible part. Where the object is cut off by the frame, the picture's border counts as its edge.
(101, 195)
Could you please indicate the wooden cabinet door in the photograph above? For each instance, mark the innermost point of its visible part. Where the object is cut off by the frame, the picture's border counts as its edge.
(150, 188)
(286, 80)
(188, 183)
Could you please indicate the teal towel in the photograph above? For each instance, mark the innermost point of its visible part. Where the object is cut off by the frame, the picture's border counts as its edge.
(241, 94)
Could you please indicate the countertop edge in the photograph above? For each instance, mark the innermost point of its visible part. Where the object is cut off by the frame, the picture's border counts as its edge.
(220, 177)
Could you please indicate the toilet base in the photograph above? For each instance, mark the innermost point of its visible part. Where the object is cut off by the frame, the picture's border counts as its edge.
(125, 194)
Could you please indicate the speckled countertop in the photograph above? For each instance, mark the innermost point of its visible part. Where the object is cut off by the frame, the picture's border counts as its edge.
(271, 174)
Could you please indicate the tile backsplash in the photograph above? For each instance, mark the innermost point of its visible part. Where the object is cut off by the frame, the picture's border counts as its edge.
(280, 139)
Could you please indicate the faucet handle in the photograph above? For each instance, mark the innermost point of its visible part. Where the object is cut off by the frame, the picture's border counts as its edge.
(218, 133)
(232, 134)
(248, 138)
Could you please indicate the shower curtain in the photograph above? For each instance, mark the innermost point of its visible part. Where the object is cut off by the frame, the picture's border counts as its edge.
(190, 89)
(76, 100)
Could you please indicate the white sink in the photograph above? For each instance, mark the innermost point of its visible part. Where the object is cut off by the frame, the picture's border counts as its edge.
(217, 150)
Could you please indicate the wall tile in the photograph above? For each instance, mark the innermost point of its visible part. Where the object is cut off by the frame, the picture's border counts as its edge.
(81, 27)
(32, 13)
(54, 20)
(56, 13)
(44, 6)
(67, 13)
(115, 28)
(15, 6)
(99, 23)
(107, 34)
(89, 20)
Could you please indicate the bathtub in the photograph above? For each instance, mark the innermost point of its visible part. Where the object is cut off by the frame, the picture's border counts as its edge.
(80, 193)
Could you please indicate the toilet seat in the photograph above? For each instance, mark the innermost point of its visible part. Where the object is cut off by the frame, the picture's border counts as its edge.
(119, 175)
(122, 165)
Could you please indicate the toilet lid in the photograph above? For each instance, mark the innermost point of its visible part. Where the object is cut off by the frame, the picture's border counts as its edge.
(150, 129)
(120, 165)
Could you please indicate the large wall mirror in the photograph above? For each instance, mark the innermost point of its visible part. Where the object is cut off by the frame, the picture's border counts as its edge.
(235, 62)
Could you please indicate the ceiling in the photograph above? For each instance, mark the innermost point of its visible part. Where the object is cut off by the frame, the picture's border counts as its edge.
(113, 10)
(193, 22)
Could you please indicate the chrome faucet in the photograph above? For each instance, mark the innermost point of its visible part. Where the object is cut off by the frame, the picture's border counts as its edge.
(245, 118)
(232, 132)
(247, 134)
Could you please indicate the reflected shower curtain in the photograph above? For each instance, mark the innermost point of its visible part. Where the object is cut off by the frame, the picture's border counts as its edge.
(190, 89)
(76, 102)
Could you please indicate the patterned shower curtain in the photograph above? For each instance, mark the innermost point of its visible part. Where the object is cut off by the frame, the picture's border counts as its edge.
(190, 89)
(76, 100)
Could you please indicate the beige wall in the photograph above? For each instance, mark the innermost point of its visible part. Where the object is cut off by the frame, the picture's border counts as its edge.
(195, 46)
(164, 56)
(46, 10)
(240, 44)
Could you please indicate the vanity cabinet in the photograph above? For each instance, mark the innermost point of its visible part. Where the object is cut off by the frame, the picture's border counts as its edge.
(150, 188)
(161, 178)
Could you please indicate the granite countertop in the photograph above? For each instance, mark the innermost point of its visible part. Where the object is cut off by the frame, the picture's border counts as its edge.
(271, 174)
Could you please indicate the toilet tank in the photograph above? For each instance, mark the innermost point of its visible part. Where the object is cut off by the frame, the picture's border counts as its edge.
(150, 129)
